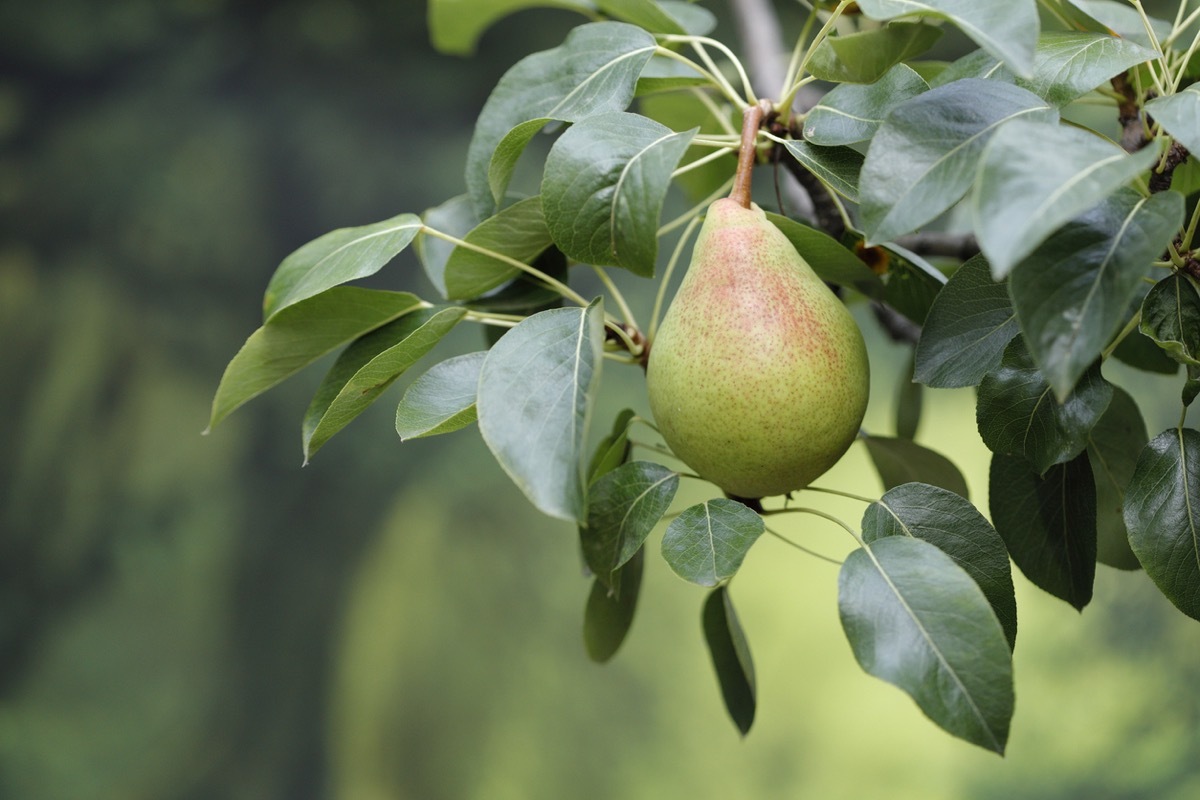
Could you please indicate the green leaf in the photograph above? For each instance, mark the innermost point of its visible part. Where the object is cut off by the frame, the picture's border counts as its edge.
(1113, 447)
(923, 157)
(1141, 352)
(901, 461)
(950, 523)
(623, 507)
(662, 75)
(1073, 293)
(1191, 387)
(613, 450)
(608, 615)
(731, 657)
(1058, 172)
(909, 401)
(594, 71)
(536, 390)
(917, 620)
(456, 25)
(1008, 29)
(708, 541)
(299, 335)
(1171, 317)
(604, 186)
(865, 56)
(851, 113)
(1162, 512)
(1048, 523)
(442, 400)
(1123, 20)
(913, 284)
(518, 232)
(971, 322)
(337, 257)
(836, 167)
(829, 259)
(368, 367)
(1018, 416)
(455, 217)
(1069, 64)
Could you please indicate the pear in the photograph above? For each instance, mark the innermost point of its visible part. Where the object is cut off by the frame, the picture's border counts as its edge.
(758, 377)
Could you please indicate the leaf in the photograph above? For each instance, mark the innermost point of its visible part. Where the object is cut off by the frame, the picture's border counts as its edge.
(337, 257)
(368, 367)
(915, 619)
(865, 56)
(518, 232)
(1113, 447)
(595, 70)
(456, 25)
(604, 186)
(708, 541)
(851, 113)
(455, 217)
(299, 335)
(731, 657)
(1180, 114)
(1123, 20)
(1069, 64)
(623, 507)
(608, 616)
(829, 259)
(536, 390)
(1072, 294)
(1162, 512)
(909, 401)
(1058, 172)
(1171, 317)
(971, 322)
(1140, 351)
(950, 523)
(1008, 29)
(1048, 523)
(923, 157)
(1018, 416)
(442, 400)
(836, 167)
(613, 450)
(901, 461)
(912, 283)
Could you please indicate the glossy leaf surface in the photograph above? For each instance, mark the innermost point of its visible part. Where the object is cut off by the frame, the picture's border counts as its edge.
(624, 505)
(442, 400)
(730, 657)
(707, 543)
(900, 461)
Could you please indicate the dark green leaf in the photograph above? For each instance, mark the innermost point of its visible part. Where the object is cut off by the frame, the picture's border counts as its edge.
(608, 615)
(1073, 293)
(1048, 523)
(901, 461)
(368, 367)
(604, 186)
(535, 393)
(950, 523)
(708, 541)
(442, 400)
(864, 57)
(337, 257)
(916, 619)
(455, 25)
(662, 74)
(1162, 512)
(1018, 415)
(923, 157)
(829, 259)
(299, 335)
(971, 322)
(1171, 317)
(836, 167)
(851, 113)
(613, 450)
(594, 71)
(731, 657)
(455, 217)
(1113, 447)
(518, 232)
(1140, 351)
(1191, 387)
(909, 400)
(913, 284)
(1069, 64)
(624, 505)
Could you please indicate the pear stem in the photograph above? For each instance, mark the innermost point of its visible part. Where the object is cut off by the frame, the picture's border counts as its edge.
(752, 119)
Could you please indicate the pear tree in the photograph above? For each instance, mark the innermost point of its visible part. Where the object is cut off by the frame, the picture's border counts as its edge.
(1020, 218)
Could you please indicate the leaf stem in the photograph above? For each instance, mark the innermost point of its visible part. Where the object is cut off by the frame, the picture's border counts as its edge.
(698, 42)
(789, 92)
(721, 117)
(656, 314)
(1159, 81)
(488, 318)
(793, 67)
(691, 213)
(799, 546)
(1129, 328)
(839, 493)
(1190, 234)
(1180, 26)
(1187, 56)
(717, 81)
(816, 513)
(607, 280)
(700, 162)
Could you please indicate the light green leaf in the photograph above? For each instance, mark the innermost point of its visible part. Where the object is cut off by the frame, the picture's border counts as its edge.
(536, 390)
(518, 232)
(901, 461)
(1058, 172)
(1069, 64)
(916, 619)
(609, 615)
(852, 113)
(612, 451)
(836, 167)
(299, 335)
(623, 507)
(604, 186)
(1171, 317)
(368, 367)
(442, 400)
(1123, 20)
(337, 257)
(1180, 115)
(1008, 29)
(731, 657)
(643, 13)
(1113, 448)
(865, 56)
(923, 157)
(707, 543)
(455, 217)
(456, 25)
(829, 259)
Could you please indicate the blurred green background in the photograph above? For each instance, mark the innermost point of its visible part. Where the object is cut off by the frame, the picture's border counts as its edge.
(197, 617)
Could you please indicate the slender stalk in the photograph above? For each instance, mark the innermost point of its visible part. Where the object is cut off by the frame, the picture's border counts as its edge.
(700, 162)
(816, 513)
(1129, 328)
(683, 218)
(1159, 81)
(607, 280)
(1190, 234)
(1179, 27)
(721, 117)
(656, 314)
(799, 546)
(747, 155)
(632, 347)
(789, 93)
(698, 43)
(717, 81)
(793, 66)
(1187, 56)
(839, 493)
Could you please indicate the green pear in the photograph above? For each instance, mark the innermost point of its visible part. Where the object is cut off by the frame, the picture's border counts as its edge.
(758, 377)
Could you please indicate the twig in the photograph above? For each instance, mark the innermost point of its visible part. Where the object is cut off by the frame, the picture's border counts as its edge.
(933, 243)
(897, 326)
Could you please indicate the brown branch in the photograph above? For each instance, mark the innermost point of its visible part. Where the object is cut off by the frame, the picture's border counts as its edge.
(1161, 181)
(899, 327)
(1133, 131)
(828, 218)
